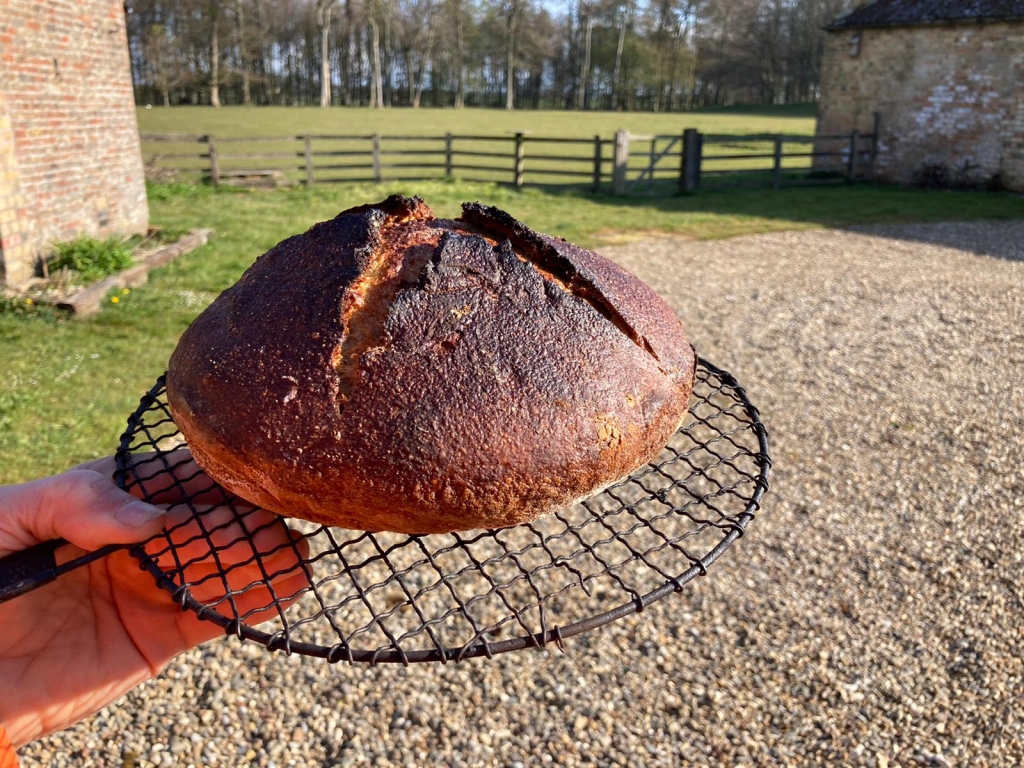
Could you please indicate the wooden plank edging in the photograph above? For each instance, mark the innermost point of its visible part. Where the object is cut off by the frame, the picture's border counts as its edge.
(87, 302)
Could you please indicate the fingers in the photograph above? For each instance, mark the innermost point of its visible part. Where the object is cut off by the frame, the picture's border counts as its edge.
(258, 589)
(218, 551)
(279, 570)
(257, 605)
(164, 478)
(246, 591)
(208, 532)
(242, 561)
(215, 535)
(82, 506)
(251, 600)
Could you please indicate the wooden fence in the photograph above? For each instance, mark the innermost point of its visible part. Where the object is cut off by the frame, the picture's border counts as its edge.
(623, 164)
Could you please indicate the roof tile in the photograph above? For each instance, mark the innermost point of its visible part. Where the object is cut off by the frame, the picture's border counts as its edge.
(889, 13)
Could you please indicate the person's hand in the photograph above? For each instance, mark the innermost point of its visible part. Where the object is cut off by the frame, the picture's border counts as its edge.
(73, 646)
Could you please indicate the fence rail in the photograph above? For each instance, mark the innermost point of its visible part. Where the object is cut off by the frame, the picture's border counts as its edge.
(622, 164)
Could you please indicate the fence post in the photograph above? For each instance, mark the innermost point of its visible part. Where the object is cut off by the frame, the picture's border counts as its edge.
(214, 161)
(650, 165)
(308, 141)
(682, 163)
(520, 153)
(597, 164)
(854, 154)
(874, 144)
(448, 156)
(691, 160)
(777, 166)
(621, 162)
(376, 158)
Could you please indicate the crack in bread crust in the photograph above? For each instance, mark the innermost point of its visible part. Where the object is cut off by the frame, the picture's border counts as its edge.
(552, 265)
(366, 303)
(399, 257)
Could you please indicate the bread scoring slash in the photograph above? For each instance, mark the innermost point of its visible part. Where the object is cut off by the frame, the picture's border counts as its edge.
(390, 370)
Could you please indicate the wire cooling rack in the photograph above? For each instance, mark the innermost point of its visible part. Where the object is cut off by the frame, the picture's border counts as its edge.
(343, 595)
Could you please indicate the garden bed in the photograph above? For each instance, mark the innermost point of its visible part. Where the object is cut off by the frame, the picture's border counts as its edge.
(65, 290)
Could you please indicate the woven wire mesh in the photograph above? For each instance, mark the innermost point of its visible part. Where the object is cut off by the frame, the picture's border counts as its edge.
(381, 597)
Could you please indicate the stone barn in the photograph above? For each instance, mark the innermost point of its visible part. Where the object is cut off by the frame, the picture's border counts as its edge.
(70, 161)
(946, 79)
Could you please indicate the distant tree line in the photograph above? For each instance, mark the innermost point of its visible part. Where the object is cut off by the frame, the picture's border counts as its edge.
(660, 55)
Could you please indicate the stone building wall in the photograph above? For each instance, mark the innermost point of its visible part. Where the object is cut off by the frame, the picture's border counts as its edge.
(70, 161)
(950, 99)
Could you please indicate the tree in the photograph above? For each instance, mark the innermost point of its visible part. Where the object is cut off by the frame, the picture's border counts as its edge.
(581, 92)
(376, 82)
(418, 34)
(169, 69)
(579, 54)
(215, 54)
(242, 42)
(458, 18)
(513, 11)
(625, 17)
(323, 18)
(348, 93)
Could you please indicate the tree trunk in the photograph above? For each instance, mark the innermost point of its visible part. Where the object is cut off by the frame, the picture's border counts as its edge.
(387, 58)
(410, 72)
(325, 66)
(265, 81)
(243, 50)
(347, 56)
(215, 63)
(167, 96)
(360, 48)
(376, 85)
(324, 17)
(617, 74)
(581, 94)
(424, 64)
(460, 59)
(347, 65)
(510, 66)
(691, 77)
(673, 65)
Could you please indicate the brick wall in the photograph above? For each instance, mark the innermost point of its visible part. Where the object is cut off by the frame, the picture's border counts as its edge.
(70, 161)
(949, 97)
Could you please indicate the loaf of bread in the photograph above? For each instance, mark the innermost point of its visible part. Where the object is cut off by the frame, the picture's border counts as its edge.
(389, 370)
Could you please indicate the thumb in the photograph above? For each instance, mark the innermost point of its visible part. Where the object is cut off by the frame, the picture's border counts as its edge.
(82, 506)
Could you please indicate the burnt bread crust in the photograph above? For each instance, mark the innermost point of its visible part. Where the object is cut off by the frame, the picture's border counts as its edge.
(388, 370)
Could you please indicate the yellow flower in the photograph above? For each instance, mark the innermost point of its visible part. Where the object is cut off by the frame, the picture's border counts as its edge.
(114, 299)
(125, 292)
(29, 302)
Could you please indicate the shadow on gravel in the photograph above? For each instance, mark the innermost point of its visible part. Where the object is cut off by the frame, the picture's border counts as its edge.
(999, 239)
(937, 217)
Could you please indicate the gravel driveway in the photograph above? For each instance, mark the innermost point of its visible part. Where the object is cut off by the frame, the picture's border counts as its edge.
(873, 615)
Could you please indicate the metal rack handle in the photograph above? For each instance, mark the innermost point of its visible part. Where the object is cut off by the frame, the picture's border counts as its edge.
(35, 567)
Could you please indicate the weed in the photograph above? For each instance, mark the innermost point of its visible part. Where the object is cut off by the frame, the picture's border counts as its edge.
(92, 259)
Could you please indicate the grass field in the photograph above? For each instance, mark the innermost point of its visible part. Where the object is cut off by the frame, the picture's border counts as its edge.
(350, 159)
(288, 121)
(66, 387)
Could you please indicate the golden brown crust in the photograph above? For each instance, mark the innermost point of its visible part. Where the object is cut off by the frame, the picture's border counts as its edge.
(392, 371)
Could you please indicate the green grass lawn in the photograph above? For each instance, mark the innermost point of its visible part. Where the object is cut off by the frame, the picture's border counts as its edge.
(66, 387)
(292, 121)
